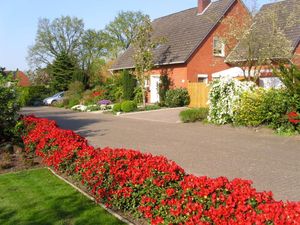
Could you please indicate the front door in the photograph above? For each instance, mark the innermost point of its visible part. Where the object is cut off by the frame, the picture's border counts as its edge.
(154, 85)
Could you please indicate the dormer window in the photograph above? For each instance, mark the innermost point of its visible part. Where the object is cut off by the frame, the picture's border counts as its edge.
(219, 47)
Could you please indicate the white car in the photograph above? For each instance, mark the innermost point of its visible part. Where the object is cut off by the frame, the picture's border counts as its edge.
(53, 99)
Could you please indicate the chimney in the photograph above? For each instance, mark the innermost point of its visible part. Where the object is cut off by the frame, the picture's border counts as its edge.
(202, 5)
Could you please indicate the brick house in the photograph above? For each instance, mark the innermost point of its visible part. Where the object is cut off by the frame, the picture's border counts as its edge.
(193, 50)
(23, 80)
(288, 13)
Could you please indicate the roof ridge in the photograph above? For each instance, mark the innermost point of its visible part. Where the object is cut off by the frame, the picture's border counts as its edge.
(212, 2)
(272, 3)
(174, 13)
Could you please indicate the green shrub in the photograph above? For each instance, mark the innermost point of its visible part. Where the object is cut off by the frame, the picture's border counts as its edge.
(290, 77)
(128, 106)
(164, 86)
(138, 95)
(250, 111)
(9, 107)
(177, 97)
(114, 88)
(223, 97)
(193, 115)
(74, 93)
(24, 96)
(152, 107)
(33, 95)
(263, 106)
(117, 107)
(129, 84)
(72, 102)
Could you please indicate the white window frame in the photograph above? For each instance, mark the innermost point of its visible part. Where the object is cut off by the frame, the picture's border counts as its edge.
(204, 77)
(218, 50)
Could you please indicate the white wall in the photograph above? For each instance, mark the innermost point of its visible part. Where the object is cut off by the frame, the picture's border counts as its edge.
(270, 82)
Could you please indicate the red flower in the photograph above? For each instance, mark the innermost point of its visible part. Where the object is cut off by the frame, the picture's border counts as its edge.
(294, 117)
(158, 188)
(170, 192)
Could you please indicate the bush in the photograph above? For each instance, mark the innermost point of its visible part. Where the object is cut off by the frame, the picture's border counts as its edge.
(268, 107)
(92, 97)
(33, 95)
(164, 86)
(290, 77)
(117, 107)
(153, 187)
(129, 84)
(9, 107)
(193, 115)
(74, 93)
(177, 97)
(114, 88)
(151, 107)
(223, 98)
(128, 106)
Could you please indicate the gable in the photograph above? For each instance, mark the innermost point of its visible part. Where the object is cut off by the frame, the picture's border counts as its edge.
(184, 32)
(287, 10)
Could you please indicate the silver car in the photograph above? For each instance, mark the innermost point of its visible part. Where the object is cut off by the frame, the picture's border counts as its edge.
(53, 99)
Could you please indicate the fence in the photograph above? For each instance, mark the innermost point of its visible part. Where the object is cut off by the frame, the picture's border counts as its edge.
(199, 94)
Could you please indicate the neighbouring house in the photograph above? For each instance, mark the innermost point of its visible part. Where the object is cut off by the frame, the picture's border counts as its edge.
(193, 50)
(23, 80)
(288, 16)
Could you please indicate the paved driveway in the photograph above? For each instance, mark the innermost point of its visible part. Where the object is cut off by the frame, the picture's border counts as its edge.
(162, 115)
(272, 162)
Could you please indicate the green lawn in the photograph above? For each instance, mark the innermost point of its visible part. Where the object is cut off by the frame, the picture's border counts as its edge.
(37, 197)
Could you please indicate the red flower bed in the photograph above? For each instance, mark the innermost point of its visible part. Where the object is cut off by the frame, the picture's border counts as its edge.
(153, 187)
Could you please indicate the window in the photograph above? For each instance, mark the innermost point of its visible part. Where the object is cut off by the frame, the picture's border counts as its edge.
(203, 78)
(219, 47)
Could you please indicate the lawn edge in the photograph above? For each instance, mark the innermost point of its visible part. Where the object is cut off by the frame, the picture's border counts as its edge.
(91, 198)
(23, 170)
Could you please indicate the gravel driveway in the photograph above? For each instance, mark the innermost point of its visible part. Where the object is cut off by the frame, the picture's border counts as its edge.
(272, 162)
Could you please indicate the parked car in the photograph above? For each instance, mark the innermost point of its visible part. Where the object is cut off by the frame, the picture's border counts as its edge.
(53, 99)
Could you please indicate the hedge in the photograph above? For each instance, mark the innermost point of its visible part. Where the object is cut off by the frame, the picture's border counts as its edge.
(153, 187)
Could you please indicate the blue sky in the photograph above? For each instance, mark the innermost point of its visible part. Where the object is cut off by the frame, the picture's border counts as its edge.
(19, 18)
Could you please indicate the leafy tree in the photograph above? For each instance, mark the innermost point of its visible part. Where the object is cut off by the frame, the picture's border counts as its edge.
(120, 32)
(92, 50)
(63, 71)
(60, 36)
(129, 84)
(40, 76)
(261, 38)
(143, 46)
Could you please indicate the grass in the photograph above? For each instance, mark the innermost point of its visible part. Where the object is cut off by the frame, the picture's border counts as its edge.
(38, 197)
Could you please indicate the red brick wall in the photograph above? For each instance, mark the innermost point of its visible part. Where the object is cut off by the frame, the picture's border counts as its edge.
(23, 79)
(296, 58)
(177, 74)
(203, 61)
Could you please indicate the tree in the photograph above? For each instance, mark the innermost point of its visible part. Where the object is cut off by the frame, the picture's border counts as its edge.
(143, 45)
(120, 32)
(61, 36)
(63, 71)
(261, 38)
(93, 48)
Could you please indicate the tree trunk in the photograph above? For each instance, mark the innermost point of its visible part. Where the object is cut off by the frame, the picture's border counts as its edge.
(144, 96)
